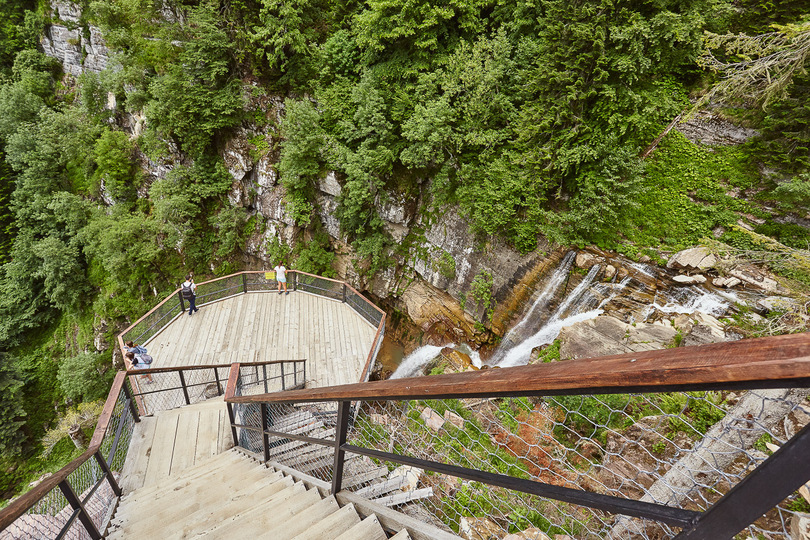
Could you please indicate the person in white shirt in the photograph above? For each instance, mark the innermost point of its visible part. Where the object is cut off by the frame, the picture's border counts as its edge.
(281, 277)
(189, 292)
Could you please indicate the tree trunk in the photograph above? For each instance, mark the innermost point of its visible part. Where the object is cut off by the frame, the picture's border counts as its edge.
(78, 437)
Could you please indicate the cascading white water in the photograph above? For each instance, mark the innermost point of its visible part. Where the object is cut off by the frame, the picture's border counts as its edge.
(519, 354)
(413, 364)
(538, 311)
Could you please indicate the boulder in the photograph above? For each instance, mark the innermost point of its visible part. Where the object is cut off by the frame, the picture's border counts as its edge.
(689, 280)
(432, 419)
(800, 526)
(698, 258)
(610, 272)
(454, 419)
(532, 533)
(606, 335)
(757, 278)
(472, 528)
(586, 260)
(777, 303)
(329, 184)
(713, 130)
(726, 282)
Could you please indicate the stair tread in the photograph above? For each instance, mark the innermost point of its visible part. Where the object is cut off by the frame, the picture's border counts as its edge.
(304, 520)
(401, 535)
(332, 525)
(368, 529)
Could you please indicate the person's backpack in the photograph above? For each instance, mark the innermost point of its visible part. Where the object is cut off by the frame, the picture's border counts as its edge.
(145, 359)
(186, 291)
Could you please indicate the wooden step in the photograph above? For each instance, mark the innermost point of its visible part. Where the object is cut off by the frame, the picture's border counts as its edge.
(368, 529)
(333, 525)
(200, 497)
(401, 535)
(260, 518)
(381, 488)
(303, 520)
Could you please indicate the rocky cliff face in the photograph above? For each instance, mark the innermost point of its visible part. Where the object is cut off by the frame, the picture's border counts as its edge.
(80, 48)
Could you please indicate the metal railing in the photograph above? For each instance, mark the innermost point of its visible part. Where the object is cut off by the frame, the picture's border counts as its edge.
(75, 501)
(157, 318)
(693, 442)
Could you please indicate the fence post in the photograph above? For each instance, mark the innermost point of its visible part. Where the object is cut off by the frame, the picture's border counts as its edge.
(182, 302)
(295, 280)
(244, 283)
(344, 293)
(340, 439)
(219, 385)
(185, 389)
(265, 438)
(77, 505)
(282, 376)
(264, 373)
(769, 484)
(233, 424)
(130, 400)
(110, 478)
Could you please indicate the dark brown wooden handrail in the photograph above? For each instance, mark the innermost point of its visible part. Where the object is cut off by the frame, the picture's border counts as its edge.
(21, 505)
(777, 362)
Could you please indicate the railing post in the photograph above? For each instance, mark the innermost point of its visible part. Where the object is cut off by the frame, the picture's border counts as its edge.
(295, 280)
(105, 467)
(295, 374)
(219, 385)
(265, 437)
(769, 484)
(131, 400)
(282, 376)
(264, 372)
(233, 424)
(185, 389)
(244, 283)
(77, 505)
(182, 302)
(340, 439)
(344, 293)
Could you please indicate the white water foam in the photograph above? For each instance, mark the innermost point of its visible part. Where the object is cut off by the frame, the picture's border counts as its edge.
(414, 362)
(519, 354)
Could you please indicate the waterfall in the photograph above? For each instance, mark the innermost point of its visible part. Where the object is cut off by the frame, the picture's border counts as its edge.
(412, 365)
(538, 312)
(509, 354)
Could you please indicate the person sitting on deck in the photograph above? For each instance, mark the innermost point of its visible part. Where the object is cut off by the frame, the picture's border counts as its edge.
(137, 349)
(140, 361)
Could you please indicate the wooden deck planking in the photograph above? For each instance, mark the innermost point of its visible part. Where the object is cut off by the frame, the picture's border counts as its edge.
(267, 326)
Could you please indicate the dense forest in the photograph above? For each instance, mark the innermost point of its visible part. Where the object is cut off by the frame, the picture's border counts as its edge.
(530, 117)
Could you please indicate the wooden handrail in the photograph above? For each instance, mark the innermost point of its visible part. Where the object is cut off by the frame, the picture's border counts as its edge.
(769, 362)
(108, 410)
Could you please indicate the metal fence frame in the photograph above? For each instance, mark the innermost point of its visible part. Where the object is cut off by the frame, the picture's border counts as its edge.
(776, 362)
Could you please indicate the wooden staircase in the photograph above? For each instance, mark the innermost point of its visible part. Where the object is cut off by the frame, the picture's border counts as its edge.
(232, 496)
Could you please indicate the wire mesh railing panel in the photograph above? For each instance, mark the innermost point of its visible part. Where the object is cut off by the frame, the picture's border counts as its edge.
(320, 286)
(312, 420)
(166, 390)
(363, 307)
(683, 450)
(271, 377)
(219, 289)
(94, 492)
(261, 281)
(44, 520)
(115, 444)
(154, 321)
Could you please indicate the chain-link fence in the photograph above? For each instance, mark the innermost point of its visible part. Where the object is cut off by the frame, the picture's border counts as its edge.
(162, 389)
(684, 450)
(52, 516)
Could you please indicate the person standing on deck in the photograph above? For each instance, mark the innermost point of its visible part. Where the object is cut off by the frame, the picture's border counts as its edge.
(189, 292)
(281, 277)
